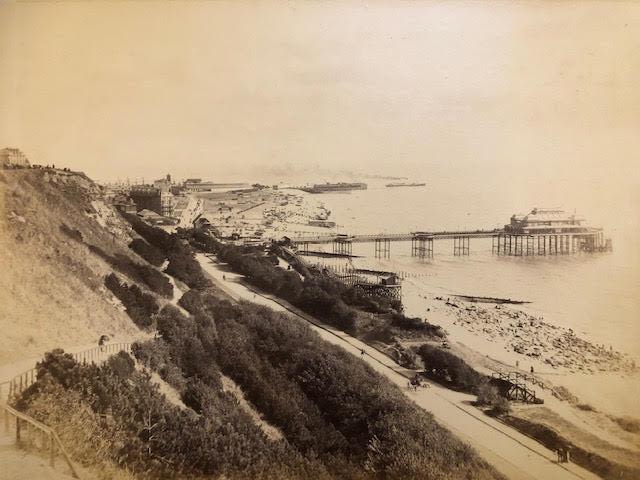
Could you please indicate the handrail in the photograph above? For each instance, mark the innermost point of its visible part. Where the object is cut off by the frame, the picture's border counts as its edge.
(54, 441)
(24, 380)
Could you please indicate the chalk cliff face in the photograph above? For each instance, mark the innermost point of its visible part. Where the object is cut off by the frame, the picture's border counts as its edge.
(56, 238)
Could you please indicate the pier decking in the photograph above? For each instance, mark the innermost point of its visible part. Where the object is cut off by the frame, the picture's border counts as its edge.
(504, 242)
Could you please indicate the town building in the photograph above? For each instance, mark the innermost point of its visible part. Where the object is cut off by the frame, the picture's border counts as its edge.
(124, 204)
(163, 183)
(148, 197)
(13, 157)
(193, 185)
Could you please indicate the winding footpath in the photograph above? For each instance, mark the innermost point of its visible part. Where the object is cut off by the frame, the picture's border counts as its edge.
(513, 454)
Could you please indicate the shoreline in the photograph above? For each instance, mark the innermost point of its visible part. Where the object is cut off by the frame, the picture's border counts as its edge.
(520, 341)
(514, 335)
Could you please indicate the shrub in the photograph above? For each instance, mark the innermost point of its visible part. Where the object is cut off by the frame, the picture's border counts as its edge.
(150, 253)
(72, 233)
(416, 324)
(106, 419)
(327, 403)
(157, 237)
(140, 306)
(488, 395)
(182, 265)
(155, 280)
(630, 424)
(448, 368)
(121, 364)
(156, 356)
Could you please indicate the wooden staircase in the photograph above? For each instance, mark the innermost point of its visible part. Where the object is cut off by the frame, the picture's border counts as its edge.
(512, 385)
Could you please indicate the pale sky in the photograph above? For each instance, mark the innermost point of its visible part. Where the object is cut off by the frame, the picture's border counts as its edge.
(540, 95)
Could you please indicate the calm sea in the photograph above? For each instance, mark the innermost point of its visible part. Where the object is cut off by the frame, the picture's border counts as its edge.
(598, 295)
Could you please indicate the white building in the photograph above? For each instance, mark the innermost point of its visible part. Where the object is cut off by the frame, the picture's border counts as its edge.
(13, 157)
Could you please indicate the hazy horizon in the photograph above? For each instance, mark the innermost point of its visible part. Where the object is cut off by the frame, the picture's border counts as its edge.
(532, 100)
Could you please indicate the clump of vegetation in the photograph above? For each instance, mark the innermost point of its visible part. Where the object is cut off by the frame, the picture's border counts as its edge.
(489, 395)
(150, 253)
(155, 280)
(450, 369)
(155, 355)
(316, 293)
(72, 233)
(140, 306)
(340, 419)
(120, 414)
(182, 265)
(630, 424)
(417, 324)
(327, 403)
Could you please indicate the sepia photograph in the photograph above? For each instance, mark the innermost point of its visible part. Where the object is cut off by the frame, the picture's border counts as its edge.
(320, 240)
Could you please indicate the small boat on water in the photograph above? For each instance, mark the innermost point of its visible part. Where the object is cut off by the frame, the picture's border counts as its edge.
(405, 184)
(470, 298)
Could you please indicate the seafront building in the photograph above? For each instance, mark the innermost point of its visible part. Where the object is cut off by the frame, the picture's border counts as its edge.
(541, 221)
(549, 231)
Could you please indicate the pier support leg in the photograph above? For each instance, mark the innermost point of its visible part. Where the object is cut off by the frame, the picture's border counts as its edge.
(342, 247)
(382, 248)
(422, 246)
(461, 246)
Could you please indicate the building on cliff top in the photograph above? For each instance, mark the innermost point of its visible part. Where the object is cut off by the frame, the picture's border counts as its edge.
(13, 157)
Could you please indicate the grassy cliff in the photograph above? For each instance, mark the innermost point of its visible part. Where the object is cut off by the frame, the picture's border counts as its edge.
(58, 242)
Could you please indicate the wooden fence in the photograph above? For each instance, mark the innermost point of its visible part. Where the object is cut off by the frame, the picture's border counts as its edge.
(30, 431)
(21, 382)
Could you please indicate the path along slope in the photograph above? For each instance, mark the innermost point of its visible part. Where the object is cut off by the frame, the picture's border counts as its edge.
(516, 456)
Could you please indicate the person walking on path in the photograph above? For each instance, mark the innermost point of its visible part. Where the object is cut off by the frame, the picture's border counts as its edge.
(102, 342)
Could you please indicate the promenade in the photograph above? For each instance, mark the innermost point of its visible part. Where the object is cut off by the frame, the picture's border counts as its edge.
(515, 455)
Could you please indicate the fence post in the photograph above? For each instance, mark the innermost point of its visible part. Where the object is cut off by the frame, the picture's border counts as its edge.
(17, 430)
(52, 453)
(6, 422)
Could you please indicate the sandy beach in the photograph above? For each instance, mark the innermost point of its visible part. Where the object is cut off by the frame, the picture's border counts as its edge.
(520, 341)
(265, 213)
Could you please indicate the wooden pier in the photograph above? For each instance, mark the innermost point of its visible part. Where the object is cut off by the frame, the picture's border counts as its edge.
(589, 240)
(516, 244)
